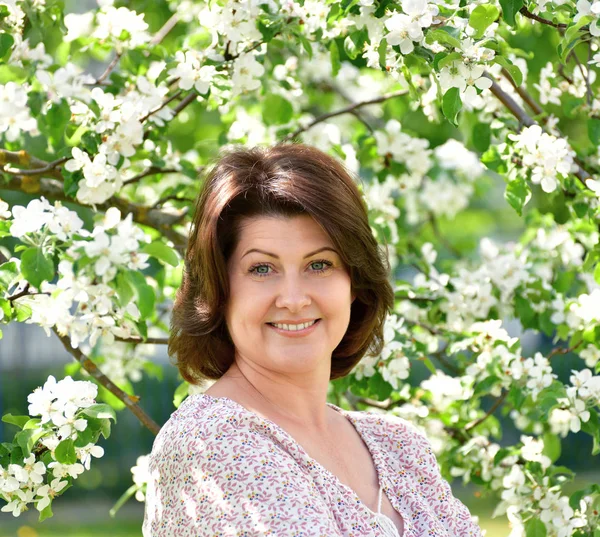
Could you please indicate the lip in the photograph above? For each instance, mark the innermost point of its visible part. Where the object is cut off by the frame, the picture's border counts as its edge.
(297, 321)
(296, 333)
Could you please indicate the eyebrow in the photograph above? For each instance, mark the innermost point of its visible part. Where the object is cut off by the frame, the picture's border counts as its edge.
(277, 257)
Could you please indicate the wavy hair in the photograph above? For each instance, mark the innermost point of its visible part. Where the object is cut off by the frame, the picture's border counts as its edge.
(280, 180)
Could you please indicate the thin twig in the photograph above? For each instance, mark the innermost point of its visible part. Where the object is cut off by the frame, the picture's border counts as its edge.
(108, 69)
(524, 11)
(585, 77)
(153, 170)
(166, 28)
(345, 110)
(32, 166)
(562, 350)
(24, 292)
(36, 171)
(561, 72)
(161, 201)
(147, 341)
(185, 101)
(441, 238)
(159, 220)
(498, 402)
(165, 103)
(524, 94)
(131, 401)
(527, 121)
(440, 357)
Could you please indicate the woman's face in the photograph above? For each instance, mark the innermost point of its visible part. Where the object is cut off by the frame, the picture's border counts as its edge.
(273, 279)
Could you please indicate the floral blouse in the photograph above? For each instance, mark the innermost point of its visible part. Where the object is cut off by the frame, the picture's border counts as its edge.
(218, 469)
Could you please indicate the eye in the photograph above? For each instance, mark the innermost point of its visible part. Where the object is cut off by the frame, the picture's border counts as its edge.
(257, 269)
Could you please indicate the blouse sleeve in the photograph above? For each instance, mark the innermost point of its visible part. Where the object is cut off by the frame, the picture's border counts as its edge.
(450, 511)
(230, 485)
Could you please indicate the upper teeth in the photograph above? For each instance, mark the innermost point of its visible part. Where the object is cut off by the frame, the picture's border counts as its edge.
(292, 327)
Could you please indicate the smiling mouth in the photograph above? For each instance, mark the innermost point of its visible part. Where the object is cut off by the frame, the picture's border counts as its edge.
(292, 330)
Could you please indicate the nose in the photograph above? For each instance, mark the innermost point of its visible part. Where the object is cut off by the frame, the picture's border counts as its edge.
(292, 295)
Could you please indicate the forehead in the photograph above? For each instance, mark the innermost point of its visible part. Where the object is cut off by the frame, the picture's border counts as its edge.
(285, 233)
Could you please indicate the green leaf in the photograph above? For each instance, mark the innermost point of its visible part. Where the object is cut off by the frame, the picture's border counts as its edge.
(125, 291)
(46, 512)
(509, 9)
(482, 17)
(6, 42)
(335, 58)
(443, 35)
(451, 105)
(572, 36)
(12, 73)
(593, 126)
(597, 273)
(26, 439)
(484, 386)
(56, 120)
(306, 44)
(276, 110)
(350, 48)
(181, 392)
(517, 194)
(552, 446)
(8, 274)
(89, 435)
(144, 293)
(65, 452)
(100, 411)
(482, 136)
(512, 69)
(162, 252)
(71, 182)
(448, 59)
(534, 527)
(19, 421)
(36, 267)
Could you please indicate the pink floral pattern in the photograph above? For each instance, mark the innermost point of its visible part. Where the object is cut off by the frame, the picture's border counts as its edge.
(218, 469)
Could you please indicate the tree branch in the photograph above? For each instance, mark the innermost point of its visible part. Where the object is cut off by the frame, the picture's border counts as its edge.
(524, 11)
(584, 75)
(131, 401)
(165, 103)
(524, 94)
(526, 120)
(33, 165)
(140, 341)
(498, 402)
(161, 201)
(439, 356)
(185, 101)
(562, 350)
(160, 220)
(153, 170)
(441, 238)
(166, 28)
(108, 69)
(346, 110)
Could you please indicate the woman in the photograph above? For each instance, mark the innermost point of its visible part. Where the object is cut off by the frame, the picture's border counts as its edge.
(285, 289)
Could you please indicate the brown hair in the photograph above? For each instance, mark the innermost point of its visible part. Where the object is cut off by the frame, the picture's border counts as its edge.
(281, 180)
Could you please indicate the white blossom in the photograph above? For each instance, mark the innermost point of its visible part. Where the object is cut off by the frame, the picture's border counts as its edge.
(246, 73)
(15, 115)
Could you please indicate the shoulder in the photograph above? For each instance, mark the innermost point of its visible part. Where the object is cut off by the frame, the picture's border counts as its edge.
(388, 426)
(397, 435)
(204, 434)
(193, 423)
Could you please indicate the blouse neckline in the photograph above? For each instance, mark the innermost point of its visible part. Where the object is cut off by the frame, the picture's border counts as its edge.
(376, 455)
